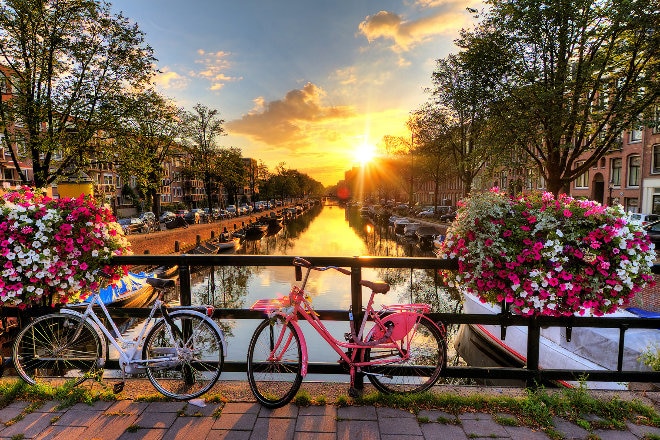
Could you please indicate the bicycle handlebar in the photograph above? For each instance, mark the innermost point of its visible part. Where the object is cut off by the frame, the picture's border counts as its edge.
(298, 261)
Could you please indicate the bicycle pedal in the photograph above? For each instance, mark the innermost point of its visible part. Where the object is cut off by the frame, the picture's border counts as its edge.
(118, 387)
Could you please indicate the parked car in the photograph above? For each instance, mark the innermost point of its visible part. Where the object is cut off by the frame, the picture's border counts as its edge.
(448, 217)
(653, 231)
(181, 212)
(644, 219)
(232, 210)
(428, 212)
(132, 225)
(166, 215)
(150, 221)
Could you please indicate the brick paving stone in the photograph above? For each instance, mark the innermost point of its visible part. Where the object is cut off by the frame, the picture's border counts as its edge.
(482, 426)
(144, 434)
(612, 434)
(12, 410)
(314, 436)
(62, 432)
(394, 413)
(165, 407)
(220, 434)
(126, 407)
(76, 417)
(318, 410)
(110, 427)
(271, 428)
(524, 432)
(569, 430)
(641, 430)
(357, 429)
(150, 419)
(286, 412)
(357, 413)
(433, 431)
(394, 425)
(205, 411)
(400, 437)
(187, 428)
(50, 406)
(314, 423)
(235, 422)
(30, 426)
(99, 405)
(436, 415)
(241, 408)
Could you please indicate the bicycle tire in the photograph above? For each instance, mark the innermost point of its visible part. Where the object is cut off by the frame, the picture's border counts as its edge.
(197, 367)
(274, 383)
(43, 351)
(427, 360)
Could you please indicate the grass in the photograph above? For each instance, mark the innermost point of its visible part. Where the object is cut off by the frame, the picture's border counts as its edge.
(535, 409)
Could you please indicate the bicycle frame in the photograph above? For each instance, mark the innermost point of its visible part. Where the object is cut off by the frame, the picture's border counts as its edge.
(406, 316)
(127, 356)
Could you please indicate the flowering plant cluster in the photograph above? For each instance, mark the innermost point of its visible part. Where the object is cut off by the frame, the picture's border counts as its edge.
(547, 256)
(57, 249)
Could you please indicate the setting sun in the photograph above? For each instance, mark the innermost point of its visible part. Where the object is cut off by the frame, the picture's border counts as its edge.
(365, 153)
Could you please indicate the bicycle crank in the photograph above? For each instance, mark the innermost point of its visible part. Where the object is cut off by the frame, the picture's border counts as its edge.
(388, 376)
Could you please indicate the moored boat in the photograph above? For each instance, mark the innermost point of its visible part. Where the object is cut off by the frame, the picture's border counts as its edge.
(587, 348)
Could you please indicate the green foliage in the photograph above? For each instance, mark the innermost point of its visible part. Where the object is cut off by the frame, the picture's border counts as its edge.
(71, 67)
(302, 398)
(651, 357)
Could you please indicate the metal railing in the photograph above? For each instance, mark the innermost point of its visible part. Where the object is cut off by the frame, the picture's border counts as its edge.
(530, 372)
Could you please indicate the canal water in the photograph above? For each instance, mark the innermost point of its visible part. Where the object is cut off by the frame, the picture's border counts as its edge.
(319, 231)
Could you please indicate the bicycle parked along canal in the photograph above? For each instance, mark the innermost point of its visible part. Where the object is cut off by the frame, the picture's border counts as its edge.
(402, 351)
(182, 354)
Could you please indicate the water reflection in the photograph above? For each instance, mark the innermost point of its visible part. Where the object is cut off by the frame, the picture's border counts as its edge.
(320, 231)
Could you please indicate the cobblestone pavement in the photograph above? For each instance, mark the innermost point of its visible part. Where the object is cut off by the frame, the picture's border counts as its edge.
(130, 419)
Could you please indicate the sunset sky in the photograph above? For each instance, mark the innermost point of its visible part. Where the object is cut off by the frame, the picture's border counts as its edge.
(305, 82)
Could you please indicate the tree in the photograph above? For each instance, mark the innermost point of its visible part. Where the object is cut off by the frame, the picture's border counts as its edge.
(199, 130)
(230, 171)
(579, 73)
(431, 128)
(145, 136)
(462, 95)
(67, 64)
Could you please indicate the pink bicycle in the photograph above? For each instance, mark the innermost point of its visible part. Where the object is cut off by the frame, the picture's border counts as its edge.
(402, 350)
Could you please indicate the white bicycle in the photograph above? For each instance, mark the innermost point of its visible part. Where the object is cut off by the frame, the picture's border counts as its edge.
(182, 354)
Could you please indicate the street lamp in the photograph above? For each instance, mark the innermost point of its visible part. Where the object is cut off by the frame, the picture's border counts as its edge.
(609, 199)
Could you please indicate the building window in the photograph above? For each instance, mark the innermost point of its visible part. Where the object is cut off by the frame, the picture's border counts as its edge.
(582, 181)
(634, 163)
(636, 134)
(631, 204)
(615, 174)
(655, 160)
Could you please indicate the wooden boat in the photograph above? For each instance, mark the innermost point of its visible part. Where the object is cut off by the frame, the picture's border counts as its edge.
(256, 230)
(132, 290)
(425, 236)
(227, 241)
(588, 348)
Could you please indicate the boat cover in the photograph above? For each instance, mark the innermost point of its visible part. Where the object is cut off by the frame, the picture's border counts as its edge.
(128, 283)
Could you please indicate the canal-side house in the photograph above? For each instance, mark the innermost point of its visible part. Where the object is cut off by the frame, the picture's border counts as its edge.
(629, 174)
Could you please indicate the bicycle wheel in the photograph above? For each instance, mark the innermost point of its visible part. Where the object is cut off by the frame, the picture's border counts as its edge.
(274, 372)
(186, 362)
(48, 351)
(427, 357)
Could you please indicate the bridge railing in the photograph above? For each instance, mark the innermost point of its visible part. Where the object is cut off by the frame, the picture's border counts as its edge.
(530, 372)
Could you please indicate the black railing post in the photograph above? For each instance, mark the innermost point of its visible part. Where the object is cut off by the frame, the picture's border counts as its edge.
(533, 341)
(356, 303)
(184, 284)
(622, 345)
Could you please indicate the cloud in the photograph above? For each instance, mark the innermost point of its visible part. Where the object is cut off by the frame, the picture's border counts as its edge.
(288, 121)
(167, 79)
(214, 65)
(406, 34)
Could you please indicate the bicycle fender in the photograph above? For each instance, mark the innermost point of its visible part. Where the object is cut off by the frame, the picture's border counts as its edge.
(303, 347)
(206, 318)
